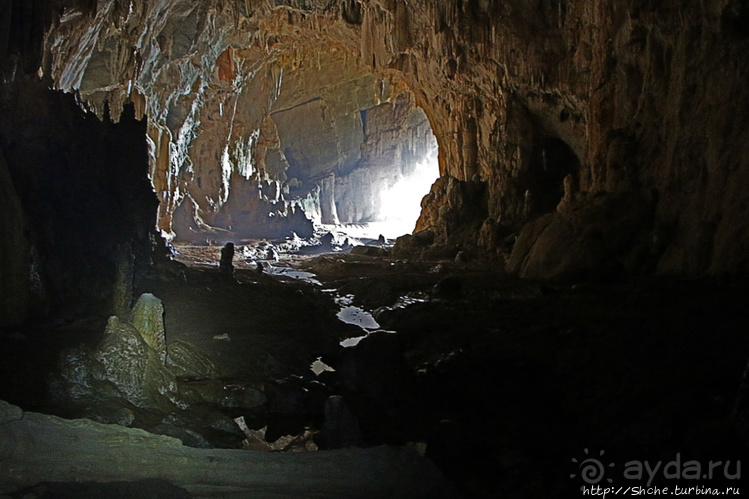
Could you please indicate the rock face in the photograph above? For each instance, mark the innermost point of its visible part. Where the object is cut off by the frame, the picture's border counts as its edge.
(563, 114)
(78, 210)
(16, 250)
(261, 118)
(129, 363)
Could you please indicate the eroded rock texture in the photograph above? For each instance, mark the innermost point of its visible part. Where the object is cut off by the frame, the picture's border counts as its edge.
(128, 364)
(618, 128)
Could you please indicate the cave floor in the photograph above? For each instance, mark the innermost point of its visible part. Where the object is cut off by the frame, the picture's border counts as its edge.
(505, 381)
(515, 378)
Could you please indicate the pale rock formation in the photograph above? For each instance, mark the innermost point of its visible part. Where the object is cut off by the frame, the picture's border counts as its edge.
(31, 445)
(148, 318)
(129, 363)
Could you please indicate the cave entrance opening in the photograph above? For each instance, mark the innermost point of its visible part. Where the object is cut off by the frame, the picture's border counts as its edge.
(401, 202)
(326, 168)
(309, 146)
(365, 179)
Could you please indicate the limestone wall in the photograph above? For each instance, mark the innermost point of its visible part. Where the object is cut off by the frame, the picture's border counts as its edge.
(634, 103)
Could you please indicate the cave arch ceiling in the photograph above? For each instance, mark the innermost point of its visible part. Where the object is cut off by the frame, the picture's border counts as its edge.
(243, 100)
(227, 86)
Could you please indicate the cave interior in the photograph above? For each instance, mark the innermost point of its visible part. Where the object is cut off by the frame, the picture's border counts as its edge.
(356, 248)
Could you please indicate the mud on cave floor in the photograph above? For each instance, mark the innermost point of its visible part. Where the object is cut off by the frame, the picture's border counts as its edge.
(506, 381)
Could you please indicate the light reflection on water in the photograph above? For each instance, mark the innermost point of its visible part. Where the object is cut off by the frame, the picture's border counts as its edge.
(348, 313)
(293, 274)
(358, 317)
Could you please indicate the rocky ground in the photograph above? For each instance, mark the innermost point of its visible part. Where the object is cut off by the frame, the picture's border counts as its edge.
(507, 381)
(500, 382)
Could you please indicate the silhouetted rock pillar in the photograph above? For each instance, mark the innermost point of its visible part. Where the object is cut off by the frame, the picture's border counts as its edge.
(227, 255)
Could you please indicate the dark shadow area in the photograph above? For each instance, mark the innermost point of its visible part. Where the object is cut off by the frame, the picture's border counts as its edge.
(84, 190)
(551, 161)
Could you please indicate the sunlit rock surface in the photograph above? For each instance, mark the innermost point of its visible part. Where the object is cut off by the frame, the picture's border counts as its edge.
(622, 100)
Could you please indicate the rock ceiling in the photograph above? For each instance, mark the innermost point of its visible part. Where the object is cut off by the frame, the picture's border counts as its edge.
(617, 128)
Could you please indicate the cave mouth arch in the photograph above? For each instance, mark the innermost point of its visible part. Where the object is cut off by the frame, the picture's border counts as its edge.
(335, 150)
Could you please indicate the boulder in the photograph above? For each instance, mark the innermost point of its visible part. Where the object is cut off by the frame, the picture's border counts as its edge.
(186, 360)
(124, 355)
(410, 245)
(602, 237)
(369, 251)
(133, 366)
(223, 394)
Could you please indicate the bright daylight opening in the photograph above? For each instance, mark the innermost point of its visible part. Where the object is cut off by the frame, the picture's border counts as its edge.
(401, 203)
(385, 164)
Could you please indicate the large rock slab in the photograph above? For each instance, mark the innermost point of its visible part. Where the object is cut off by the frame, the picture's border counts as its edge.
(37, 448)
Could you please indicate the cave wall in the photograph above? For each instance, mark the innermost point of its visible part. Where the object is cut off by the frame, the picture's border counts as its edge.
(255, 110)
(77, 205)
(82, 210)
(15, 248)
(643, 100)
(618, 128)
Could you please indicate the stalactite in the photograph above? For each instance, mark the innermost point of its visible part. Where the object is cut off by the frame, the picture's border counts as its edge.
(523, 60)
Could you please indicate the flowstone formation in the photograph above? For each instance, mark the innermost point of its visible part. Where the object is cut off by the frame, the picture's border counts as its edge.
(128, 363)
(132, 377)
(563, 114)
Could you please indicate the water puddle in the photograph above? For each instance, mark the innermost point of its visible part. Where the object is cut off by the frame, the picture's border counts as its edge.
(348, 313)
(411, 298)
(358, 317)
(292, 274)
(351, 314)
(350, 342)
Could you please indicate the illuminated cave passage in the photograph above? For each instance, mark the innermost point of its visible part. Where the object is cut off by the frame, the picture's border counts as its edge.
(570, 279)
(378, 178)
(330, 163)
(291, 143)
